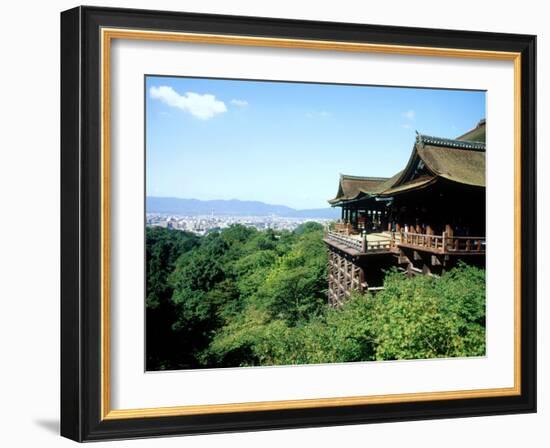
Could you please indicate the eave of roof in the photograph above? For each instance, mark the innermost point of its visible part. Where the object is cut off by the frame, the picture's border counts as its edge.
(450, 143)
(350, 187)
(416, 184)
(389, 182)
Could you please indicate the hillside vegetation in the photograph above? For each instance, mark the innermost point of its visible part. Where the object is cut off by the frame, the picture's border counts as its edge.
(241, 297)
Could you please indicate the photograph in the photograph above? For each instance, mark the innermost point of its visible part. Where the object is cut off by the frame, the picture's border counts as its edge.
(273, 222)
(297, 223)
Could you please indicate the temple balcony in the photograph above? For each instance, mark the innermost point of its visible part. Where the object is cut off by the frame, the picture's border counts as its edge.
(361, 244)
(442, 244)
(356, 244)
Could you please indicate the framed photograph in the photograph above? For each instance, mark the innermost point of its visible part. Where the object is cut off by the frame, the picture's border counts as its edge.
(274, 223)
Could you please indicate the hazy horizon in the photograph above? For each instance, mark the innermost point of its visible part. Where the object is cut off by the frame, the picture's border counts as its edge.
(161, 205)
(235, 200)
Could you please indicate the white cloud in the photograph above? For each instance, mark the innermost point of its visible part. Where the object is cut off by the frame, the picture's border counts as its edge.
(203, 107)
(406, 126)
(409, 115)
(239, 103)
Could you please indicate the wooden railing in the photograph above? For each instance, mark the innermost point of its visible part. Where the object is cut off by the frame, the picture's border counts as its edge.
(346, 241)
(437, 243)
(465, 244)
(362, 244)
(385, 244)
(444, 243)
(421, 240)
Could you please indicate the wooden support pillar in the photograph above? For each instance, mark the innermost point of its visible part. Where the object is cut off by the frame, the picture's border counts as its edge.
(403, 259)
(344, 277)
(362, 284)
(449, 232)
(429, 233)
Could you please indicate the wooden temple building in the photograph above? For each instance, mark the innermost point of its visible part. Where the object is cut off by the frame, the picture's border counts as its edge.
(423, 220)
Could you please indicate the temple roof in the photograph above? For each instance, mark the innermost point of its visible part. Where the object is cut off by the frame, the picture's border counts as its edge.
(476, 134)
(450, 143)
(459, 160)
(415, 184)
(458, 165)
(351, 187)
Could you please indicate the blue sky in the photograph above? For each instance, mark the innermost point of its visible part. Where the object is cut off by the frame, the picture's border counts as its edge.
(287, 143)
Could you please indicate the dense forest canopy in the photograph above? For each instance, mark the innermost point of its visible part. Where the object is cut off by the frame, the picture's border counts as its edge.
(241, 297)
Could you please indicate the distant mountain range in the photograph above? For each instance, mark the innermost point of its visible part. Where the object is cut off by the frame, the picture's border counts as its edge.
(232, 207)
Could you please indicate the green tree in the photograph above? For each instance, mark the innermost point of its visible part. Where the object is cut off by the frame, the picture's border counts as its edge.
(197, 294)
(428, 317)
(240, 297)
(163, 247)
(295, 287)
(412, 318)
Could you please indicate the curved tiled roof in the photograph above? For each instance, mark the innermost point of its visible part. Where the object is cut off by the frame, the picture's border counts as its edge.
(456, 160)
(458, 165)
(450, 143)
(415, 184)
(460, 161)
(350, 187)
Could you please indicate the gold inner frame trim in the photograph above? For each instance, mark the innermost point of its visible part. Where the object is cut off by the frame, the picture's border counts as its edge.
(107, 35)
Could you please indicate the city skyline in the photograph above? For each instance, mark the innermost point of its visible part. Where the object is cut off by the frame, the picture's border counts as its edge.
(286, 143)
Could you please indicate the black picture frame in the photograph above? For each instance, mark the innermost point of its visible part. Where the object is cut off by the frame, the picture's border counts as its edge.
(81, 224)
